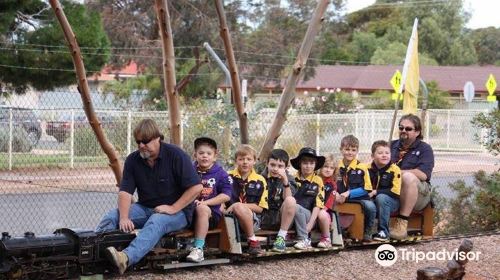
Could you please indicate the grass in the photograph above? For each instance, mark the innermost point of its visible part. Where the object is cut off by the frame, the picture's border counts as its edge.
(29, 160)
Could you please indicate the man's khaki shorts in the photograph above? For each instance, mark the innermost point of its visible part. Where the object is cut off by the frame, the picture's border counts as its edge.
(424, 195)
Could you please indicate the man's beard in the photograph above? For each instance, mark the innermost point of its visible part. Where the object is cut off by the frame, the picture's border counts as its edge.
(145, 155)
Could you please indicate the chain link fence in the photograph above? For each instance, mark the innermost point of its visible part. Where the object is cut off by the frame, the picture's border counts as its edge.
(53, 173)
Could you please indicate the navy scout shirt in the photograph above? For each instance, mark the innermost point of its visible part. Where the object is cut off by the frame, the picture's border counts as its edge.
(419, 156)
(165, 182)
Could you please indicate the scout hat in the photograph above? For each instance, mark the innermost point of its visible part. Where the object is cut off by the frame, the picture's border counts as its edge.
(309, 152)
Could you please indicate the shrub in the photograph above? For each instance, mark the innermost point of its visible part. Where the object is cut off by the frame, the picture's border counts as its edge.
(86, 143)
(20, 142)
(475, 209)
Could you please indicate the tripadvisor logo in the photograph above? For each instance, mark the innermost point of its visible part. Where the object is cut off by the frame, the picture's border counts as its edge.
(386, 255)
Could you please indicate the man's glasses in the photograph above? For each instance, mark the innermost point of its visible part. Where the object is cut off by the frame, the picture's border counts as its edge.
(145, 142)
(406, 128)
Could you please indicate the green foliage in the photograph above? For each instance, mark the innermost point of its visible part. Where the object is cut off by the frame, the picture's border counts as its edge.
(20, 142)
(216, 122)
(487, 44)
(395, 54)
(147, 84)
(475, 208)
(438, 99)
(441, 31)
(86, 143)
(363, 45)
(490, 124)
(32, 44)
(380, 100)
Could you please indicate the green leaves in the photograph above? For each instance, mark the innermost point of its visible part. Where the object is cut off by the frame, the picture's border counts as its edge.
(34, 48)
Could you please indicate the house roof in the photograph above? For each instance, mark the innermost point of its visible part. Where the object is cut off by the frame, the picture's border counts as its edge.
(109, 73)
(375, 77)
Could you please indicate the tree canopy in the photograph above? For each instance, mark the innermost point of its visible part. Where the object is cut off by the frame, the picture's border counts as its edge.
(34, 51)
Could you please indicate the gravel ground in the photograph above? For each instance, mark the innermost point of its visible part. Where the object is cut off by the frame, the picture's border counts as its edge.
(354, 264)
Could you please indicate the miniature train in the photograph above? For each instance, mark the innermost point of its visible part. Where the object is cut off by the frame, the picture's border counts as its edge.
(70, 253)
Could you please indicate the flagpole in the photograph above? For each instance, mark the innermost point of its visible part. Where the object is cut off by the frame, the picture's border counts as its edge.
(403, 77)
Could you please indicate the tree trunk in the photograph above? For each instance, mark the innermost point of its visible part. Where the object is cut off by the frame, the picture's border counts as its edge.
(84, 90)
(235, 79)
(288, 94)
(184, 82)
(170, 90)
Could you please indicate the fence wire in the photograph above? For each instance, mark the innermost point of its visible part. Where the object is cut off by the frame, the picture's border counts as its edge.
(53, 173)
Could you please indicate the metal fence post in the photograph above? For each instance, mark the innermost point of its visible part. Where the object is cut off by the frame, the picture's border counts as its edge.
(317, 134)
(427, 125)
(448, 130)
(11, 128)
(372, 138)
(356, 124)
(72, 141)
(129, 131)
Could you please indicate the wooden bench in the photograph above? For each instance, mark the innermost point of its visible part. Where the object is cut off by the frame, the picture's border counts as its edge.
(216, 238)
(421, 221)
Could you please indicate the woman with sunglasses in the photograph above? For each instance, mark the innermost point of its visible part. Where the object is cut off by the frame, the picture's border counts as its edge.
(166, 183)
(416, 160)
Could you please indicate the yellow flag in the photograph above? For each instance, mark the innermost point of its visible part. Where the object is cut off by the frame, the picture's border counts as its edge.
(411, 85)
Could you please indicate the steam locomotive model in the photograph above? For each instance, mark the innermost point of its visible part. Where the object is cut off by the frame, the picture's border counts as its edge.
(69, 253)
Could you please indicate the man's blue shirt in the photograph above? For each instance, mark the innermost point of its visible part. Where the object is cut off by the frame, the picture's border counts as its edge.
(419, 156)
(165, 182)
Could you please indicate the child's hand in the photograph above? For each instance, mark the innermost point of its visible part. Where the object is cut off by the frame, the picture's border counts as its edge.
(345, 194)
(283, 176)
(309, 227)
(229, 210)
(372, 193)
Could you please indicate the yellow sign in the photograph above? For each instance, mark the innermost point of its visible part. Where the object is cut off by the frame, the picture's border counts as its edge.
(491, 98)
(396, 81)
(491, 84)
(395, 96)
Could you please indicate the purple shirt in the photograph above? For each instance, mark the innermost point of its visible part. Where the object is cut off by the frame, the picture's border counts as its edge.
(215, 181)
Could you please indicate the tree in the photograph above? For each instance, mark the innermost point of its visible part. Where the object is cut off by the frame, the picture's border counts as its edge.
(487, 44)
(32, 39)
(133, 31)
(441, 28)
(395, 54)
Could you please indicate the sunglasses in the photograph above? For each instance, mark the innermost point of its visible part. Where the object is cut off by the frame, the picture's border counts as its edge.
(145, 142)
(406, 128)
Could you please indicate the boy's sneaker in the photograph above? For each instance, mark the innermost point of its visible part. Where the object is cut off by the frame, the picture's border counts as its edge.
(196, 255)
(325, 243)
(381, 236)
(303, 244)
(254, 247)
(279, 244)
(367, 237)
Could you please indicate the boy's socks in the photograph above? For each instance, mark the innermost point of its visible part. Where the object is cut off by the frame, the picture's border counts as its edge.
(199, 243)
(403, 217)
(253, 238)
(282, 233)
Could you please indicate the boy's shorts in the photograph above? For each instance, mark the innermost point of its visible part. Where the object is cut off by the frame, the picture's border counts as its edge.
(271, 219)
(256, 221)
(213, 221)
(424, 195)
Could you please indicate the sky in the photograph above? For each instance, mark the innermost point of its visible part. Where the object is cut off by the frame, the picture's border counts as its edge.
(484, 13)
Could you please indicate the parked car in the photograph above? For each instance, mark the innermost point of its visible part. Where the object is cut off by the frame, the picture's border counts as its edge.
(61, 129)
(23, 117)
